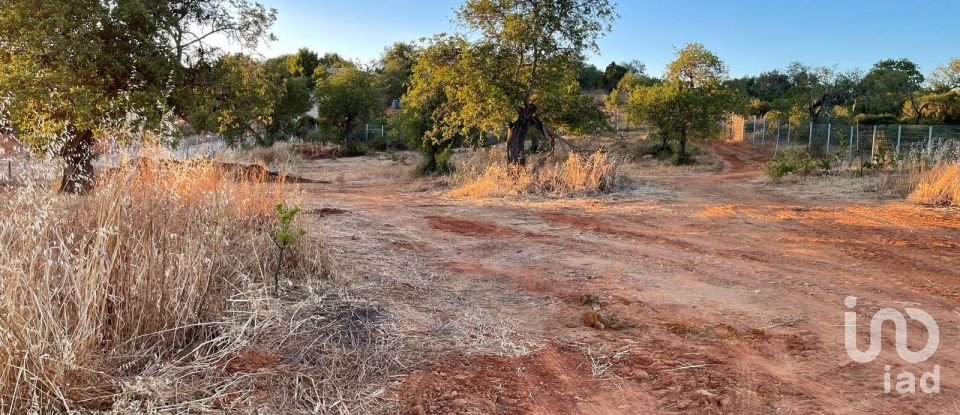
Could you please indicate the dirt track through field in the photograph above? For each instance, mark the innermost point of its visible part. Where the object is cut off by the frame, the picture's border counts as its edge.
(719, 294)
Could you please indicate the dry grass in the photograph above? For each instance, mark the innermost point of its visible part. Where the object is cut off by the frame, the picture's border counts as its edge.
(575, 176)
(281, 156)
(922, 175)
(131, 298)
(939, 187)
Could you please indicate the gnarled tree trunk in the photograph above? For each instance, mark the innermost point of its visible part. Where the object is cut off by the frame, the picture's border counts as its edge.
(78, 157)
(518, 133)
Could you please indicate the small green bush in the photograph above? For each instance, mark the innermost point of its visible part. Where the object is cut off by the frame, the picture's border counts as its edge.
(353, 149)
(435, 162)
(795, 161)
(285, 236)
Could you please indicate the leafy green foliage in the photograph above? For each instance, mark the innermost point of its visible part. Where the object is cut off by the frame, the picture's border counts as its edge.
(946, 77)
(240, 102)
(889, 83)
(346, 97)
(589, 77)
(75, 66)
(689, 103)
(395, 68)
(517, 69)
(795, 161)
(303, 63)
(293, 97)
(285, 236)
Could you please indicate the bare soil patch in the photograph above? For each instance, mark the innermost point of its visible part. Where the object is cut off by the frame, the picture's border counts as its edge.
(732, 292)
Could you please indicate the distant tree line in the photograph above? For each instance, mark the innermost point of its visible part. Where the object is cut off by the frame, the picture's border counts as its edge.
(892, 91)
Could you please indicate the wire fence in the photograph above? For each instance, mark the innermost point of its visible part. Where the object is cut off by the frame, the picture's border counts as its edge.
(852, 141)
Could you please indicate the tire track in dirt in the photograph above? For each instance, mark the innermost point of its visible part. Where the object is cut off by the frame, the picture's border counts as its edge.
(696, 278)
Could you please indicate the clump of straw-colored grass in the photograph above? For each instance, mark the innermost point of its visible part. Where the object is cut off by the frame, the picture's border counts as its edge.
(939, 186)
(577, 175)
(94, 288)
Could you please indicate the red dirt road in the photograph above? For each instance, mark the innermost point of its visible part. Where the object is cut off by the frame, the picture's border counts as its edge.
(718, 293)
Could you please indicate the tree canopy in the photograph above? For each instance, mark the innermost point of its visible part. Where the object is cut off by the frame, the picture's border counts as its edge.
(71, 66)
(346, 97)
(689, 103)
(516, 72)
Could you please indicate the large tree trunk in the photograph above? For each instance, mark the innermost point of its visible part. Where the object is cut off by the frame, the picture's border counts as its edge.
(518, 133)
(78, 157)
(515, 138)
(682, 157)
(347, 132)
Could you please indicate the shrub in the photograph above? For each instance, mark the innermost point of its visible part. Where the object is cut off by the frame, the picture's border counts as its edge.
(577, 175)
(353, 149)
(939, 187)
(433, 162)
(99, 288)
(795, 161)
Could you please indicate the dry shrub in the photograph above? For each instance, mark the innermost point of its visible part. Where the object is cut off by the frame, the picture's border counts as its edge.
(97, 288)
(939, 187)
(576, 175)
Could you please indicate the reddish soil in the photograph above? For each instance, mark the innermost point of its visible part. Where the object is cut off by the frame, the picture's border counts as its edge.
(727, 295)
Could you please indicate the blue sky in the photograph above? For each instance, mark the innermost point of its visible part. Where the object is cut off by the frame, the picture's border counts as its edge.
(751, 36)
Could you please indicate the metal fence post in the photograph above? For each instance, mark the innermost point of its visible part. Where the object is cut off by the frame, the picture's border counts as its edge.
(930, 141)
(850, 149)
(810, 145)
(829, 131)
(873, 144)
(899, 133)
(777, 148)
(753, 134)
(763, 135)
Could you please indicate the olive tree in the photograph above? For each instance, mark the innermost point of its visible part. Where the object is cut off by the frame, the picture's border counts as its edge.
(71, 66)
(516, 71)
(689, 103)
(346, 97)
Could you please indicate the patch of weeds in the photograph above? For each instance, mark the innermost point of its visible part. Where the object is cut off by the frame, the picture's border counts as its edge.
(796, 161)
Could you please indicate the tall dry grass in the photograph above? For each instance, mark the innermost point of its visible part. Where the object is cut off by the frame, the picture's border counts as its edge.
(929, 175)
(939, 186)
(95, 289)
(576, 175)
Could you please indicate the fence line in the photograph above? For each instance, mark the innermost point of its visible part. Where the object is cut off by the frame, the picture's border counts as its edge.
(863, 141)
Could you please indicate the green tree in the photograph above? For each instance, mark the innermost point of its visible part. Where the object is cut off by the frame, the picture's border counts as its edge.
(810, 90)
(71, 66)
(946, 77)
(889, 83)
(346, 97)
(613, 74)
(293, 97)
(303, 63)
(589, 77)
(240, 101)
(395, 68)
(690, 102)
(516, 71)
(617, 99)
(68, 65)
